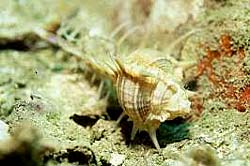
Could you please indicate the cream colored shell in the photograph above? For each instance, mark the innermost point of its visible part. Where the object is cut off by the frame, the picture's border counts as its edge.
(149, 91)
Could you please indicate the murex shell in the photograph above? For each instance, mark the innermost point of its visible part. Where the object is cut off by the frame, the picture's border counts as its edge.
(149, 90)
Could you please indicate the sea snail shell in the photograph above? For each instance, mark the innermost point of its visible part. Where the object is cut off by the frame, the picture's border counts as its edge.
(149, 91)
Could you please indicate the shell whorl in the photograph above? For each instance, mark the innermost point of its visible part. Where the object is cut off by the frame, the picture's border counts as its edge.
(134, 97)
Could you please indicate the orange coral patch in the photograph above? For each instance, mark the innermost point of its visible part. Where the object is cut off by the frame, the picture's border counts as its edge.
(226, 45)
(236, 97)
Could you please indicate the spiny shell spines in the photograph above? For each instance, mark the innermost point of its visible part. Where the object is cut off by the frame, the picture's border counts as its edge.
(149, 93)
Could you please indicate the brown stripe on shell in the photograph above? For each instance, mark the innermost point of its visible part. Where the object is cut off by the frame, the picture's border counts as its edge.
(144, 102)
(134, 98)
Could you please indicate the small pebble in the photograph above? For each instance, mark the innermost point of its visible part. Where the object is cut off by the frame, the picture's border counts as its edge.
(3, 131)
(116, 159)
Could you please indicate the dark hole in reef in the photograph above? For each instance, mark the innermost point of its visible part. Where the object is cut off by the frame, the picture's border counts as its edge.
(78, 156)
(26, 42)
(20, 85)
(105, 162)
(78, 36)
(64, 37)
(18, 45)
(17, 158)
(69, 31)
(126, 128)
(191, 85)
(169, 132)
(114, 111)
(81, 155)
(84, 120)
